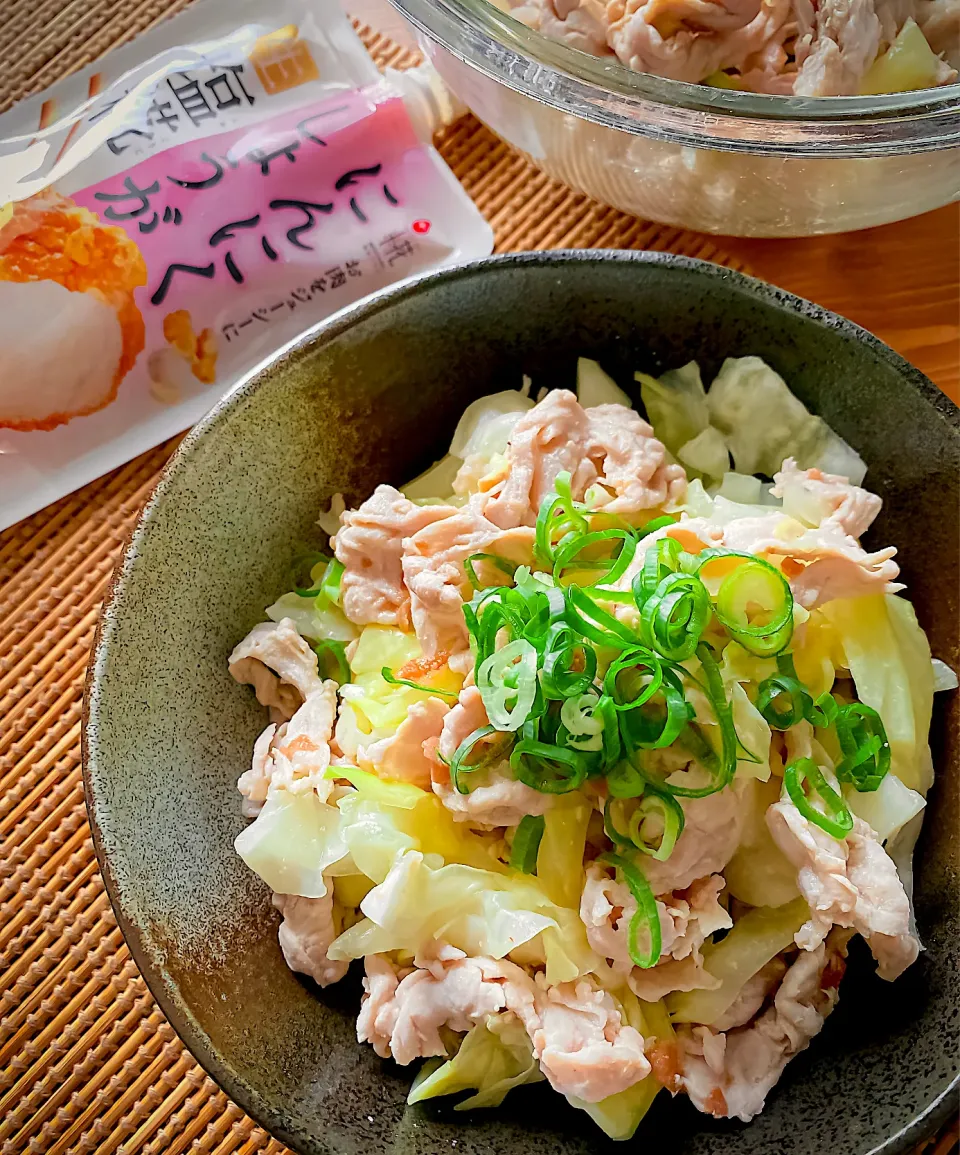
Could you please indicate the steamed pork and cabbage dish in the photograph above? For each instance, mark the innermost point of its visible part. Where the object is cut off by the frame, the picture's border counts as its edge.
(782, 47)
(597, 748)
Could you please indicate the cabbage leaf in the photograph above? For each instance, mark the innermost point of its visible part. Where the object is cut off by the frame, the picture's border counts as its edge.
(494, 1057)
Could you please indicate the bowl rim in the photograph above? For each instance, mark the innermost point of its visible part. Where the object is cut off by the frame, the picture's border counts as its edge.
(605, 91)
(154, 973)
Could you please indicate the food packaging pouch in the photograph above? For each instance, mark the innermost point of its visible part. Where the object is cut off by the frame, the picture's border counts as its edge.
(175, 213)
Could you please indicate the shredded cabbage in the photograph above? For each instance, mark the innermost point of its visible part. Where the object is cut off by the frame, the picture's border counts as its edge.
(382, 820)
(706, 453)
(595, 387)
(316, 617)
(676, 404)
(759, 873)
(291, 843)
(479, 911)
(619, 1116)
(756, 938)
(742, 488)
(908, 64)
(888, 808)
(560, 857)
(765, 423)
(888, 657)
(487, 423)
(494, 1057)
(435, 482)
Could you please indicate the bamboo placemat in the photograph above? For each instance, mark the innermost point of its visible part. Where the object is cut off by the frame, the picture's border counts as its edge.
(87, 1061)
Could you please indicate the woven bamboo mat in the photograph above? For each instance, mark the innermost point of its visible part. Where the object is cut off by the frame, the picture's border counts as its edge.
(87, 1061)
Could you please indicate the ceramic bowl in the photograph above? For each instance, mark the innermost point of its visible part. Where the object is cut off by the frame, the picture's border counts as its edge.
(373, 395)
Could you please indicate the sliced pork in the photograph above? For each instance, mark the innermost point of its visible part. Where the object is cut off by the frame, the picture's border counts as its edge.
(403, 756)
(432, 566)
(368, 545)
(280, 666)
(853, 883)
(309, 927)
(295, 754)
(496, 798)
(687, 919)
(729, 1075)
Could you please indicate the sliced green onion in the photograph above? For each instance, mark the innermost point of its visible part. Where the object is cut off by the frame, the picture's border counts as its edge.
(641, 663)
(507, 682)
(391, 679)
(647, 916)
(626, 780)
(329, 651)
(548, 768)
(560, 518)
(783, 699)
(306, 563)
(330, 586)
(866, 749)
(660, 560)
(612, 747)
(836, 819)
(647, 727)
(657, 523)
(459, 766)
(579, 716)
(653, 805)
(526, 843)
(674, 616)
(612, 569)
(593, 622)
(824, 710)
(562, 649)
(756, 583)
(500, 563)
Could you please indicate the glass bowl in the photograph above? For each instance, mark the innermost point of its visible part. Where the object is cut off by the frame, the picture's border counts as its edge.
(709, 159)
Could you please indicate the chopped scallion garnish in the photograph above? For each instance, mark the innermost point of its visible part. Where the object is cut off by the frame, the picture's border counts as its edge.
(526, 843)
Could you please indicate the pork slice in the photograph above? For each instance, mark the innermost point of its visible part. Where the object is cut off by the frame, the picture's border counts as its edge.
(729, 1074)
(308, 928)
(829, 498)
(496, 798)
(631, 464)
(432, 566)
(687, 919)
(279, 664)
(403, 756)
(295, 755)
(850, 883)
(369, 546)
(548, 440)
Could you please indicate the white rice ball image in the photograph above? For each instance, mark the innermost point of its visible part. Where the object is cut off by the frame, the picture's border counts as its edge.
(59, 354)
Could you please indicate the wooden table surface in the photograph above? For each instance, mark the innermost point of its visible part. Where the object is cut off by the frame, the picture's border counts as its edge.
(900, 281)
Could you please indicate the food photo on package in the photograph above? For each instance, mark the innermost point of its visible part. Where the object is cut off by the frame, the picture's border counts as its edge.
(176, 212)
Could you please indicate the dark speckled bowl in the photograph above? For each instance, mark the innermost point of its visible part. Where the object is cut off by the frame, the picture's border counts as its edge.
(374, 396)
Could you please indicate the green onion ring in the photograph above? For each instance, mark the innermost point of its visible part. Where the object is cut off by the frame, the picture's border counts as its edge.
(674, 616)
(326, 648)
(837, 821)
(768, 638)
(526, 843)
(507, 681)
(866, 749)
(500, 563)
(638, 658)
(647, 916)
(548, 768)
(458, 763)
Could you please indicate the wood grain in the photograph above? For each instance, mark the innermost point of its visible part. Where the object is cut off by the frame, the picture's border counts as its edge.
(900, 281)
